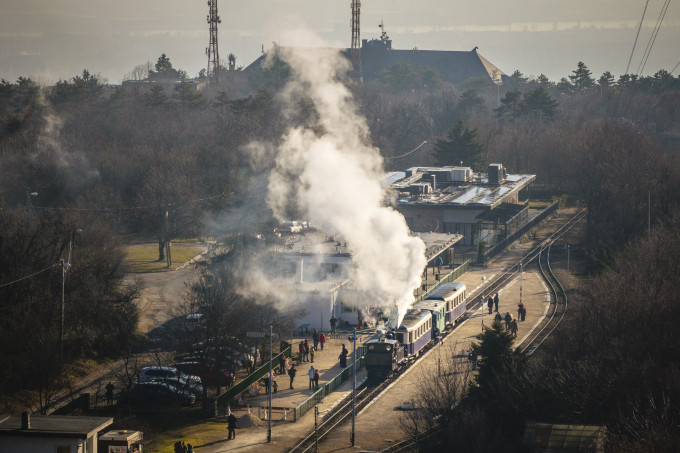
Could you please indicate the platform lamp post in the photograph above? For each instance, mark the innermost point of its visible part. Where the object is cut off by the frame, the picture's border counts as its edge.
(568, 249)
(481, 302)
(521, 270)
(271, 385)
(354, 382)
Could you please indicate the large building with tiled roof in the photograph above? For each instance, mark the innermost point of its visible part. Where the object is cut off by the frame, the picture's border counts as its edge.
(454, 67)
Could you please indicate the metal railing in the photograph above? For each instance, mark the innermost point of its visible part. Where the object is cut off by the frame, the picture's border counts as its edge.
(518, 233)
(228, 396)
(328, 387)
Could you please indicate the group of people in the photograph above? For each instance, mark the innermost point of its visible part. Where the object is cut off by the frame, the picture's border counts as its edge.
(181, 447)
(521, 311)
(491, 302)
(510, 323)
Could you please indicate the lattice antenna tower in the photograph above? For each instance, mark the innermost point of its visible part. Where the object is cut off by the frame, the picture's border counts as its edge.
(355, 51)
(211, 51)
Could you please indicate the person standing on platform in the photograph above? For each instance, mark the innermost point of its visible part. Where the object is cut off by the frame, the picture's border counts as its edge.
(343, 357)
(292, 373)
(316, 378)
(495, 302)
(282, 363)
(231, 426)
(306, 350)
(508, 320)
(109, 393)
(315, 339)
(513, 327)
(490, 304)
(310, 374)
(333, 321)
(312, 351)
(322, 339)
(301, 352)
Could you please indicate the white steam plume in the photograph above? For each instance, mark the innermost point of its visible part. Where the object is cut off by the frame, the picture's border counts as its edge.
(333, 177)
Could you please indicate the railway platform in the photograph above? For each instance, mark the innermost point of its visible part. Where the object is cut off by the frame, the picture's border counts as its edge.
(377, 425)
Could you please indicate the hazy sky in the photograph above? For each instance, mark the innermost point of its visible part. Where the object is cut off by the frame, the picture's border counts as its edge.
(56, 39)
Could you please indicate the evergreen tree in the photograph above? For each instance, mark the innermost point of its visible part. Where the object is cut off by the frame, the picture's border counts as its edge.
(461, 146)
(470, 102)
(564, 86)
(495, 357)
(165, 71)
(582, 79)
(511, 104)
(606, 79)
(518, 79)
(539, 101)
(543, 80)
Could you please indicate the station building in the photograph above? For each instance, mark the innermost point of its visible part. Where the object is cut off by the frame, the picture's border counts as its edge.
(316, 270)
(455, 200)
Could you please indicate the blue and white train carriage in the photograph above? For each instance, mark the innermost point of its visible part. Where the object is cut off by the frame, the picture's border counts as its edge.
(454, 296)
(415, 331)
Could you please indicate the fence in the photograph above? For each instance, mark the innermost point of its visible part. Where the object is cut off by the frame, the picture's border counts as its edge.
(526, 227)
(228, 396)
(450, 277)
(329, 386)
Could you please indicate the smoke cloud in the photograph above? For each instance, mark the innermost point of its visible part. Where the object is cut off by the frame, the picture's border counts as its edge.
(332, 174)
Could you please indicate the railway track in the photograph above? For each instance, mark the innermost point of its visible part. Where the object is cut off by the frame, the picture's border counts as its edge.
(559, 295)
(528, 258)
(365, 394)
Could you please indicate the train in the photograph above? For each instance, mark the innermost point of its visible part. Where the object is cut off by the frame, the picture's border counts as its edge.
(424, 323)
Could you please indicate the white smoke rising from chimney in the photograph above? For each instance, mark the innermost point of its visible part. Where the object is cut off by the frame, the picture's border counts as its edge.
(334, 178)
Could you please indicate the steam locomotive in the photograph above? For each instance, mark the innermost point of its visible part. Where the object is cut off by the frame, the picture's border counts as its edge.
(422, 324)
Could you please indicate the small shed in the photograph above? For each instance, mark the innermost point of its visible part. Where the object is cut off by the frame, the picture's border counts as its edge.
(121, 441)
(51, 433)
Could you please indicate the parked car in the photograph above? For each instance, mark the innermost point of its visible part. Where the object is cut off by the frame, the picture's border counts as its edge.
(172, 375)
(156, 392)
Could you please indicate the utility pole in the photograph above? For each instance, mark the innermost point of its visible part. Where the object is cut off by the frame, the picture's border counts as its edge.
(271, 385)
(354, 382)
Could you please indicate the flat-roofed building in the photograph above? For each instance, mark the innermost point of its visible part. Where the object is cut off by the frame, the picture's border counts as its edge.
(481, 207)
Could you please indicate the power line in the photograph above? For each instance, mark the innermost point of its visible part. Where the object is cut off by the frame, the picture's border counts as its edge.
(652, 39)
(674, 68)
(636, 37)
(29, 276)
(410, 152)
(133, 208)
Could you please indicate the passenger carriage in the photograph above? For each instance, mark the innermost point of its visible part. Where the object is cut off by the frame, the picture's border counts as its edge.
(415, 331)
(438, 310)
(454, 295)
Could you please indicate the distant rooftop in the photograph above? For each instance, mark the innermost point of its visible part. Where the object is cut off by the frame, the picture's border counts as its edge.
(454, 187)
(54, 425)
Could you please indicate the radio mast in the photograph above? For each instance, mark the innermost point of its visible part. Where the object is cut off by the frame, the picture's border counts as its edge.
(355, 51)
(212, 52)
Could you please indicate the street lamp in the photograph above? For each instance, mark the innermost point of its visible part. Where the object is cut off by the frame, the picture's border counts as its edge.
(30, 194)
(521, 270)
(481, 302)
(64, 267)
